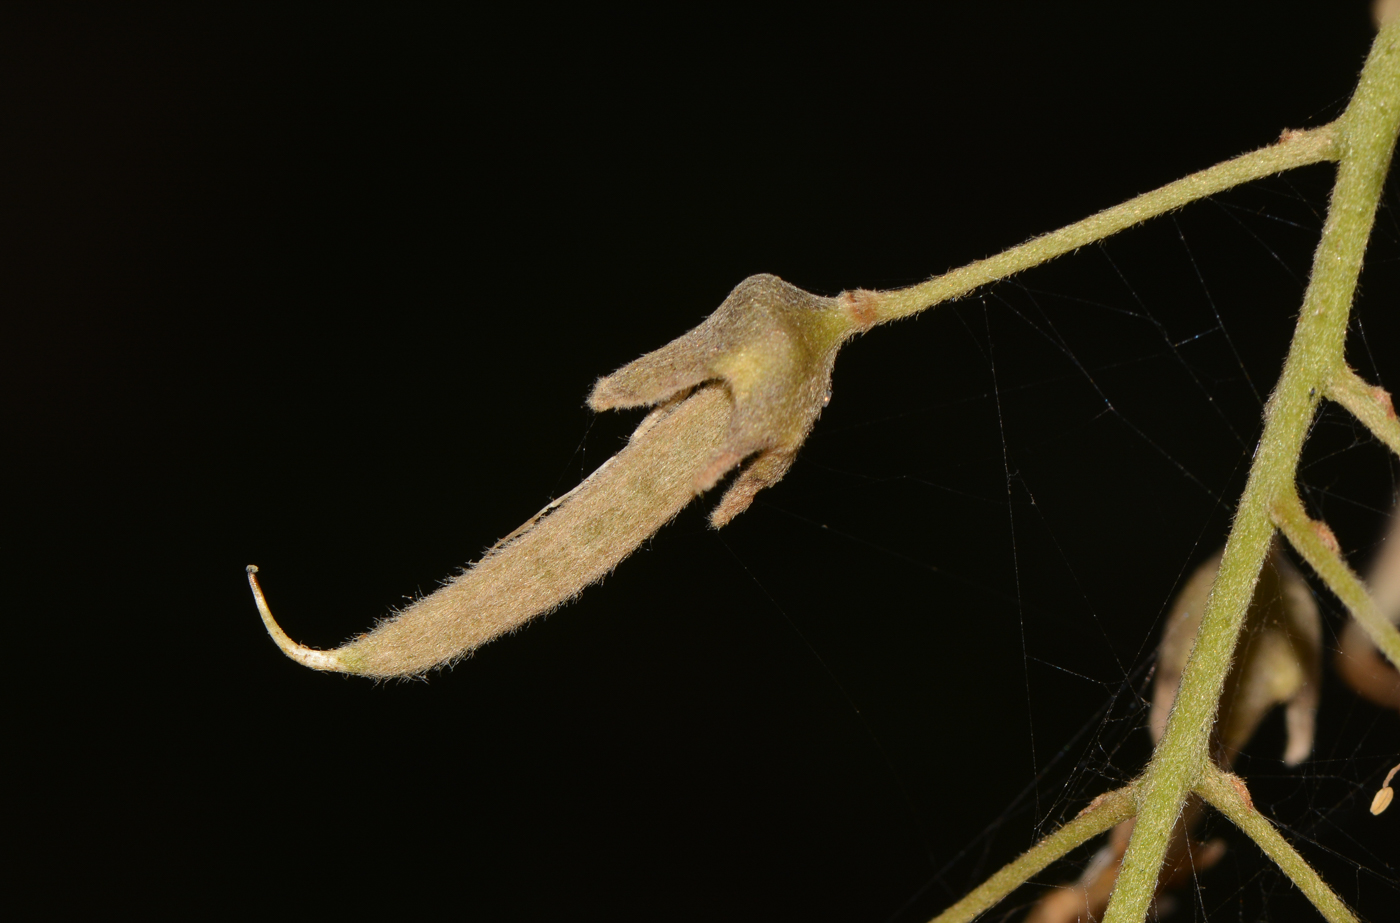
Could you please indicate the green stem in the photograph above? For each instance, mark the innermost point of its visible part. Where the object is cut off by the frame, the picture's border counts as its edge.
(1103, 814)
(1369, 403)
(1366, 138)
(1228, 795)
(1315, 543)
(1294, 149)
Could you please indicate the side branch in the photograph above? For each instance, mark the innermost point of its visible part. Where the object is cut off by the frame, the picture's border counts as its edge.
(1318, 547)
(1227, 794)
(1357, 661)
(1294, 149)
(1105, 812)
(1369, 403)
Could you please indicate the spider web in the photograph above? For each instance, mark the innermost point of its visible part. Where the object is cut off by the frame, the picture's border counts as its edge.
(1063, 450)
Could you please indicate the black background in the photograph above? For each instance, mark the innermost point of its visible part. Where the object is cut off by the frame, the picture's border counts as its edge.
(324, 291)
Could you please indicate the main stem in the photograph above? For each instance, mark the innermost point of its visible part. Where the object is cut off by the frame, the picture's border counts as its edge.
(1367, 138)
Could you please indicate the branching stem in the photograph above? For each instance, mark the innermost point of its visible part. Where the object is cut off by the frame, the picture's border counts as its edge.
(1105, 812)
(1366, 139)
(1228, 795)
(1315, 543)
(1368, 403)
(1362, 140)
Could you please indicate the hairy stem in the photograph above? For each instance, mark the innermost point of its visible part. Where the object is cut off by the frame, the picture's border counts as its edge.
(1294, 149)
(1228, 795)
(1105, 812)
(1315, 543)
(1369, 403)
(1366, 139)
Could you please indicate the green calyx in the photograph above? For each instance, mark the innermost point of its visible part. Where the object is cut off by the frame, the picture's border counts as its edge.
(772, 345)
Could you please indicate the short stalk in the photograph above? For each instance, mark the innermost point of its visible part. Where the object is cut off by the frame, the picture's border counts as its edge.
(1314, 541)
(1294, 149)
(1369, 403)
(1103, 814)
(1228, 795)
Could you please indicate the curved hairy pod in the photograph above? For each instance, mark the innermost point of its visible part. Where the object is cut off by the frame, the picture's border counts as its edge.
(748, 383)
(549, 560)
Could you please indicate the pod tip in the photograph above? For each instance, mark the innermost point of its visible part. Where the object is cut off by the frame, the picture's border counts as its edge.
(308, 657)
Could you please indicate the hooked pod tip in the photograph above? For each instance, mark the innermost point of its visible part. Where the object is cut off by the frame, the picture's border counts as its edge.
(307, 657)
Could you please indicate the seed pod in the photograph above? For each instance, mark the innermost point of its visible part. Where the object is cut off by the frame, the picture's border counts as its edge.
(749, 381)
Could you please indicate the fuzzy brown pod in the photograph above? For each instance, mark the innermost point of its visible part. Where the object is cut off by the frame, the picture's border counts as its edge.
(1279, 662)
(747, 384)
